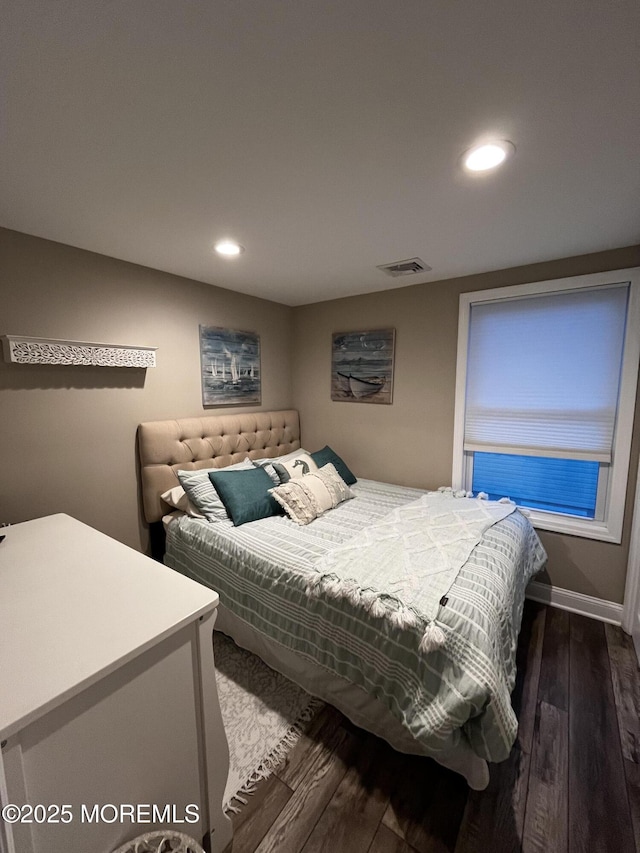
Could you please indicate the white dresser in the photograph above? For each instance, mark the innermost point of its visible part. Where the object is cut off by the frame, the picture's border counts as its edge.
(109, 717)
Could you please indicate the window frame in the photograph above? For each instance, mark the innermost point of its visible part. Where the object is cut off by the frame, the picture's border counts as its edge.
(607, 526)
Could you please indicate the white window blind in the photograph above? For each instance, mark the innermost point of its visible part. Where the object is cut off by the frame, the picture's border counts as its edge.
(543, 373)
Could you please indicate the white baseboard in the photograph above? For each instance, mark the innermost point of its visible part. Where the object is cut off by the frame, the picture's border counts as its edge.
(576, 602)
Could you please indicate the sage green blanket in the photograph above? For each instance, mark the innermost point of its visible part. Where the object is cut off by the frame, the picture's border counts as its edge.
(460, 690)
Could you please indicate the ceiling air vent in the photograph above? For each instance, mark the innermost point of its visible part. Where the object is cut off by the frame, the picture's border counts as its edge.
(408, 267)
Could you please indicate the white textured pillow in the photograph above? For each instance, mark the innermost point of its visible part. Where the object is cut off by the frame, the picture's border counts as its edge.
(179, 499)
(305, 498)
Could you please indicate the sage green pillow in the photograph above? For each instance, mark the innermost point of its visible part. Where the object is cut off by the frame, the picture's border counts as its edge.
(245, 494)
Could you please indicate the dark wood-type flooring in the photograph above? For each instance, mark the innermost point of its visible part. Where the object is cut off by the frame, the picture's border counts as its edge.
(572, 782)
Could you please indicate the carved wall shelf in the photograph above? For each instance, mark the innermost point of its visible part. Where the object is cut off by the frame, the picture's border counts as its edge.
(24, 350)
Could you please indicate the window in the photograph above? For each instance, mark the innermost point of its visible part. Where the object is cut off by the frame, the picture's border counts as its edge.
(545, 395)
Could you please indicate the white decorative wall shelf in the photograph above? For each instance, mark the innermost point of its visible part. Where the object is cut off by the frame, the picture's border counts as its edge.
(23, 350)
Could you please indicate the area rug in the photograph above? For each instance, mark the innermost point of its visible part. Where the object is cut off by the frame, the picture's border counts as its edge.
(264, 714)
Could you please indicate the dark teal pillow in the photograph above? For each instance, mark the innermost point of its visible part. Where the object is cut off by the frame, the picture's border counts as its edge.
(245, 497)
(322, 457)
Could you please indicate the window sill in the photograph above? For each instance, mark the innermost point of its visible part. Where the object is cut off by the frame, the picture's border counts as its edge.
(585, 528)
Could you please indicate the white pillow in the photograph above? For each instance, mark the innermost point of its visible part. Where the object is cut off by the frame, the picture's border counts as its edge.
(300, 465)
(291, 455)
(179, 499)
(305, 498)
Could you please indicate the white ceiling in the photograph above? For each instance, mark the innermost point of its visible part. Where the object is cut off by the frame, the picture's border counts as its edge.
(323, 135)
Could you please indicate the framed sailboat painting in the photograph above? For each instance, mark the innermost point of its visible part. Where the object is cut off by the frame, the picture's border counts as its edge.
(362, 366)
(230, 367)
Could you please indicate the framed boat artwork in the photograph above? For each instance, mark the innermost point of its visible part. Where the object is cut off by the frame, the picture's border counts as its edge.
(362, 366)
(230, 367)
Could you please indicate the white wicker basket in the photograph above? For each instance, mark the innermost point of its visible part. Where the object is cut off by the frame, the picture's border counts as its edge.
(161, 842)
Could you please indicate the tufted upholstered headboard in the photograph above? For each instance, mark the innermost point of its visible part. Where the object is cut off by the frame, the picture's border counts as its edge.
(209, 442)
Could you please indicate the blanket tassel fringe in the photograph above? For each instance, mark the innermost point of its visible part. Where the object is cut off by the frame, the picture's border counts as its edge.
(378, 606)
(432, 639)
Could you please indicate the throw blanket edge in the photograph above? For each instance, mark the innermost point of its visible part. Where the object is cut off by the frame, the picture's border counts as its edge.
(386, 605)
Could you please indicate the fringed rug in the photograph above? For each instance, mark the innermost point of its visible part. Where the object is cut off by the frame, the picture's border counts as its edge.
(264, 714)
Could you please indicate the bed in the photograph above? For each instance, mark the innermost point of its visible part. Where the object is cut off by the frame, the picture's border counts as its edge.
(437, 686)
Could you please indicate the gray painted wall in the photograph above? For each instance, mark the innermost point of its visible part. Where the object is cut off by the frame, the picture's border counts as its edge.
(67, 434)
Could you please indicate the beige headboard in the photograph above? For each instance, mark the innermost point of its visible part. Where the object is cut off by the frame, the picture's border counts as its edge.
(209, 442)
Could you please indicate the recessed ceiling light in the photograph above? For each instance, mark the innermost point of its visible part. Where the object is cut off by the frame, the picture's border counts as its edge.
(228, 248)
(488, 156)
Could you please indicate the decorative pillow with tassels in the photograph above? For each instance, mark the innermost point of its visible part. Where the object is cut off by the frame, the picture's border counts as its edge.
(305, 498)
